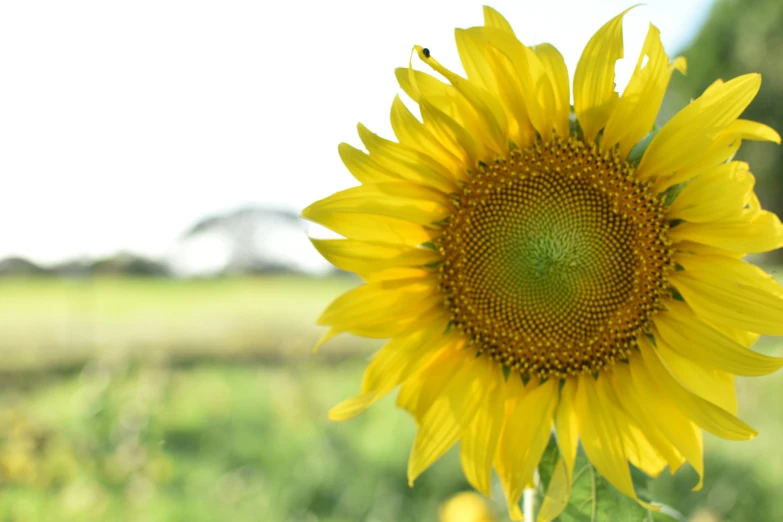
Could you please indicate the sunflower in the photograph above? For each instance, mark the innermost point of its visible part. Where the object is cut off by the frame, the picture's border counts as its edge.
(540, 267)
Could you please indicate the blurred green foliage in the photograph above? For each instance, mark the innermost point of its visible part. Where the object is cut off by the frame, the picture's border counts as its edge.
(740, 37)
(205, 443)
(241, 434)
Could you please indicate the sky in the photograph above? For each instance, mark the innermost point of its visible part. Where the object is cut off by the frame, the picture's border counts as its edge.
(123, 123)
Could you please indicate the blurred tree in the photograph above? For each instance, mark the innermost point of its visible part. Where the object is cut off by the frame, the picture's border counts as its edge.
(739, 37)
(127, 264)
(18, 266)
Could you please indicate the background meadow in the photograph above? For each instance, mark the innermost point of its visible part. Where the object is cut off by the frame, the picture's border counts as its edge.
(157, 365)
(152, 399)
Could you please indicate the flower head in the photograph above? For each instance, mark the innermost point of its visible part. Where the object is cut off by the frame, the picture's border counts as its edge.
(538, 266)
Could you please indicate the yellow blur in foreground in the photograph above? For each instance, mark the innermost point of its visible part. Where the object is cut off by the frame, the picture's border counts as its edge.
(466, 507)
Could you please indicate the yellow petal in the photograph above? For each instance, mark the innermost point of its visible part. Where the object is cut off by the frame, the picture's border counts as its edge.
(324, 338)
(714, 385)
(692, 130)
(494, 19)
(451, 412)
(536, 89)
(566, 424)
(524, 439)
(376, 328)
(434, 380)
(722, 149)
(714, 86)
(636, 110)
(678, 429)
(361, 166)
(728, 299)
(761, 233)
(743, 337)
(556, 70)
(474, 56)
(405, 190)
(690, 247)
(719, 194)
(703, 412)
(491, 70)
(363, 257)
(452, 135)
(683, 332)
(446, 128)
(633, 405)
(395, 273)
(423, 87)
(367, 227)
(468, 385)
(594, 94)
(413, 133)
(367, 308)
(406, 163)
(353, 406)
(558, 492)
(639, 448)
(418, 84)
(479, 441)
(411, 202)
(601, 437)
(707, 267)
(419, 392)
(408, 397)
(490, 122)
(404, 356)
(751, 130)
(755, 204)
(438, 431)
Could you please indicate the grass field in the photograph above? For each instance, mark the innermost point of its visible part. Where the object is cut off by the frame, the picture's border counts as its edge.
(154, 400)
(48, 323)
(207, 443)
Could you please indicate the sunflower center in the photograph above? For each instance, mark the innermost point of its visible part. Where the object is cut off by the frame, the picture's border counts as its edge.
(555, 259)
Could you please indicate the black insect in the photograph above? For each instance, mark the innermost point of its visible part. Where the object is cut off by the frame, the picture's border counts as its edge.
(426, 52)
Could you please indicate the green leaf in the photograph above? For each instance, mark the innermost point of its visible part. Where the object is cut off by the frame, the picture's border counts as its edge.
(546, 466)
(667, 514)
(635, 156)
(593, 499)
(575, 127)
(671, 193)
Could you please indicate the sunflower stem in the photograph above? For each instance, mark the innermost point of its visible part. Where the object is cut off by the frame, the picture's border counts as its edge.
(529, 500)
(529, 503)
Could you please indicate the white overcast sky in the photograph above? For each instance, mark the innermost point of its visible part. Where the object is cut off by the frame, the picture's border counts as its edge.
(122, 123)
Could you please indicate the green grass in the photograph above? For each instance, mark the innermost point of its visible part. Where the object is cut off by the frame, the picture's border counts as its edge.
(56, 322)
(209, 442)
(202, 401)
(250, 442)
